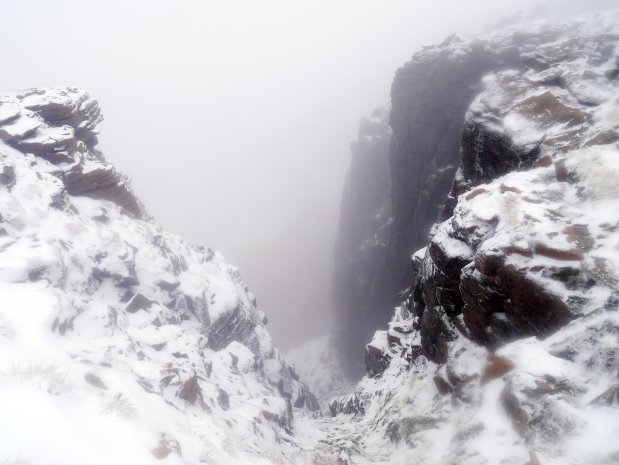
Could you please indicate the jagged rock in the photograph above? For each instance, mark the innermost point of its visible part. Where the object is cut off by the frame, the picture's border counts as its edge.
(394, 196)
(360, 284)
(190, 391)
(376, 359)
(349, 404)
(98, 284)
(229, 327)
(138, 302)
(102, 183)
(7, 177)
(514, 306)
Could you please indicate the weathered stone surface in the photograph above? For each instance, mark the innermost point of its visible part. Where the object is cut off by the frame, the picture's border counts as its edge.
(232, 326)
(166, 446)
(394, 196)
(138, 302)
(190, 391)
(102, 183)
(349, 404)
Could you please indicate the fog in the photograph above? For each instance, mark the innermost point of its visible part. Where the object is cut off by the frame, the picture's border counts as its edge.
(233, 118)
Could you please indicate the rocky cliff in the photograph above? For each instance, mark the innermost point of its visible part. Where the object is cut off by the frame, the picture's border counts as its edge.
(504, 349)
(394, 195)
(360, 287)
(126, 344)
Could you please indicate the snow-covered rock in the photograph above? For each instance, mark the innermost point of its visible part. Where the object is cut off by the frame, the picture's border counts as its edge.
(120, 342)
(318, 365)
(505, 349)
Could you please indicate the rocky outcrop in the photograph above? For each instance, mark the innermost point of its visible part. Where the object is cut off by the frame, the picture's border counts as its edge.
(504, 350)
(393, 198)
(101, 311)
(360, 284)
(61, 125)
(511, 259)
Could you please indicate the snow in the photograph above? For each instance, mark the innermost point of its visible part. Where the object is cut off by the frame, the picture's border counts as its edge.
(316, 363)
(85, 381)
(78, 371)
(18, 128)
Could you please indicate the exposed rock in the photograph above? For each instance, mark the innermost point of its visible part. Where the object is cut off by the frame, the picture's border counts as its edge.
(190, 391)
(360, 285)
(138, 302)
(513, 311)
(95, 381)
(166, 446)
(7, 177)
(103, 325)
(350, 404)
(229, 327)
(393, 197)
(496, 367)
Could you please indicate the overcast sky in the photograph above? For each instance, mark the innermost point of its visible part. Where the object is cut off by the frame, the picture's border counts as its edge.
(233, 118)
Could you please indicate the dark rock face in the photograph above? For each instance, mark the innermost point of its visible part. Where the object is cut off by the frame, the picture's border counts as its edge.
(430, 96)
(393, 196)
(232, 326)
(60, 124)
(360, 290)
(533, 279)
(105, 184)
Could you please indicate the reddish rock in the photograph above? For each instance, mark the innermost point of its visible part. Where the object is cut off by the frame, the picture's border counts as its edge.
(190, 391)
(496, 367)
(443, 385)
(558, 254)
(517, 415)
(166, 446)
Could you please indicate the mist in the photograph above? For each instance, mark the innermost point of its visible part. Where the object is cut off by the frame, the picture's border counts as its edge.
(233, 119)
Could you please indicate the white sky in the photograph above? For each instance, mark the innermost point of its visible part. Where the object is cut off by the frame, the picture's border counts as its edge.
(233, 118)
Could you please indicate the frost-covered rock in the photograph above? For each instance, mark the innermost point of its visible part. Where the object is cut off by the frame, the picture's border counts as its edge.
(398, 182)
(360, 279)
(511, 329)
(119, 342)
(318, 365)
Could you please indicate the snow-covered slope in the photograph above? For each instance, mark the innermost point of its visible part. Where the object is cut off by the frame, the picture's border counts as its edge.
(318, 366)
(505, 351)
(119, 342)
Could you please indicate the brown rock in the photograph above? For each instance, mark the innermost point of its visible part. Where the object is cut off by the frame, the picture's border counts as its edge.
(475, 192)
(442, 385)
(435, 335)
(496, 367)
(558, 254)
(166, 446)
(544, 161)
(561, 171)
(580, 234)
(190, 390)
(518, 416)
(606, 137)
(530, 308)
(547, 110)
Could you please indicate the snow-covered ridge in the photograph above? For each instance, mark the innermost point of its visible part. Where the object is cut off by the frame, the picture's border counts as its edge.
(120, 342)
(505, 351)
